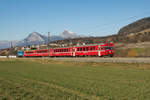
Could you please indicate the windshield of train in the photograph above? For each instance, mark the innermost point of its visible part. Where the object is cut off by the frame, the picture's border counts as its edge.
(109, 48)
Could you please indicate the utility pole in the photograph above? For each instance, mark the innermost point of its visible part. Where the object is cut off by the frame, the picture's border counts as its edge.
(48, 43)
(11, 48)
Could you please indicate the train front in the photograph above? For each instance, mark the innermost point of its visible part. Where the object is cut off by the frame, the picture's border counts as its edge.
(109, 47)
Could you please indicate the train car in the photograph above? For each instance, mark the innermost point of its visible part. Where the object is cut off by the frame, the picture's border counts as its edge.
(90, 50)
(63, 52)
(41, 53)
(94, 50)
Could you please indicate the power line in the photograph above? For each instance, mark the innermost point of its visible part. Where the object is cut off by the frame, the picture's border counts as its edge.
(114, 22)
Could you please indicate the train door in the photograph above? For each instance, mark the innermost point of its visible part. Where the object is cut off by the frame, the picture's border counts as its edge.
(99, 50)
(74, 52)
(51, 52)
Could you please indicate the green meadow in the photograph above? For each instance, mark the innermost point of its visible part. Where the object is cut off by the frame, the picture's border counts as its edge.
(41, 79)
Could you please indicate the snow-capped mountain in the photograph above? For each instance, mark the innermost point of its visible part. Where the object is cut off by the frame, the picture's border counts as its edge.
(68, 34)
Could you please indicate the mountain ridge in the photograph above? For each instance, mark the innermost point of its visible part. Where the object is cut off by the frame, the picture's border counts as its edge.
(36, 38)
(135, 27)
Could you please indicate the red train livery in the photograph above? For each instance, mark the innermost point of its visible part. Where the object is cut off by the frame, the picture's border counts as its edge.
(106, 49)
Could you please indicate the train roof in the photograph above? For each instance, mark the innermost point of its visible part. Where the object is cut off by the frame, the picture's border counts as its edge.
(75, 46)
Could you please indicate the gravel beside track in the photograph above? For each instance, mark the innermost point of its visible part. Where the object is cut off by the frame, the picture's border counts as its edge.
(124, 60)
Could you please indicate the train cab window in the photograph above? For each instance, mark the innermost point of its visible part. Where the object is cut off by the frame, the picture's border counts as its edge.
(107, 48)
(83, 48)
(87, 48)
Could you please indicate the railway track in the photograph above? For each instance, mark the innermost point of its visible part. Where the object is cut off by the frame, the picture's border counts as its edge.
(116, 60)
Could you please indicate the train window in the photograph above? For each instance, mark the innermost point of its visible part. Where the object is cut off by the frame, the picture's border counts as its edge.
(60, 50)
(77, 49)
(83, 48)
(87, 49)
(80, 49)
(29, 52)
(91, 48)
(67, 50)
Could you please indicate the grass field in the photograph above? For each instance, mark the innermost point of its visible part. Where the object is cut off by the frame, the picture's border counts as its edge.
(51, 80)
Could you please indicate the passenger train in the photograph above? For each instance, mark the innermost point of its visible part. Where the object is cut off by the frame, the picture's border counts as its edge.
(99, 50)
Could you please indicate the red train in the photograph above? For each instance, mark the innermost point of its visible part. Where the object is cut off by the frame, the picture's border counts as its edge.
(106, 49)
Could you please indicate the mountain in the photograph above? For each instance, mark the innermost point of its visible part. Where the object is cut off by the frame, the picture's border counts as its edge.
(68, 34)
(135, 27)
(35, 37)
(4, 44)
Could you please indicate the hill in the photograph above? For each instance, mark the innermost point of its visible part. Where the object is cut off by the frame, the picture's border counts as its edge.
(135, 27)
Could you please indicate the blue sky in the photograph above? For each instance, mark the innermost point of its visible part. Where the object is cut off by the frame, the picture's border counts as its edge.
(18, 18)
